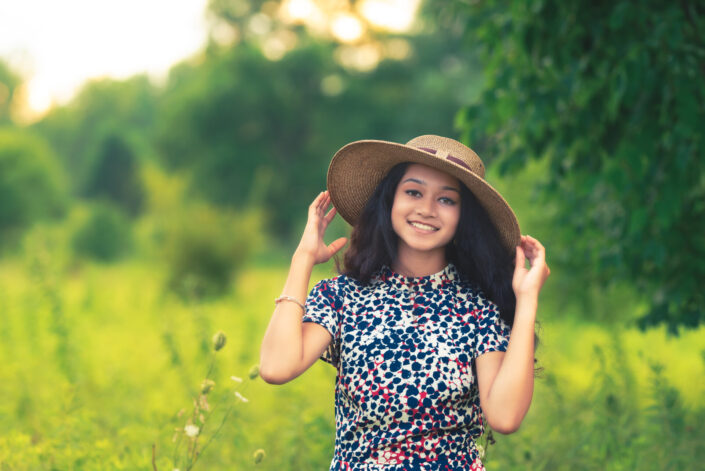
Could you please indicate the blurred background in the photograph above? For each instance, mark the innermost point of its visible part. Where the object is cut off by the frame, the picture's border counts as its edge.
(156, 164)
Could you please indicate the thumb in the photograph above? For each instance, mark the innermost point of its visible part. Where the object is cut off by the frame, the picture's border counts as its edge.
(337, 244)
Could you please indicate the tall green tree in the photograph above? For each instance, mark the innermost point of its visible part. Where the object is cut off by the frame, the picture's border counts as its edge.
(611, 95)
(253, 130)
(32, 183)
(77, 131)
(9, 81)
(115, 175)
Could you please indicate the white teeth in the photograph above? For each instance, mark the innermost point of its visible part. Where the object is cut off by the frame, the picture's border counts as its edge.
(423, 226)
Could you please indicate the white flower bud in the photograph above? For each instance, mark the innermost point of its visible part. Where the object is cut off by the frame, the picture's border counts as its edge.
(191, 430)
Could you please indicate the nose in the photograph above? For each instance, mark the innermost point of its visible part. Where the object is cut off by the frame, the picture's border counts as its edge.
(426, 207)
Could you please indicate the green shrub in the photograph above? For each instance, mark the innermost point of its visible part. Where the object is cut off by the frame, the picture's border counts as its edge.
(115, 175)
(105, 235)
(31, 183)
(205, 247)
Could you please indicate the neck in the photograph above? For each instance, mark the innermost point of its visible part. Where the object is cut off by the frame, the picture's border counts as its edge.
(414, 264)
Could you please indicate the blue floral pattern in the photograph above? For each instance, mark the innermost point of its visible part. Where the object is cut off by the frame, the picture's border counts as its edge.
(406, 397)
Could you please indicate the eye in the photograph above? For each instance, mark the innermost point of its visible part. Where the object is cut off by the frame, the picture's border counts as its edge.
(448, 201)
(413, 192)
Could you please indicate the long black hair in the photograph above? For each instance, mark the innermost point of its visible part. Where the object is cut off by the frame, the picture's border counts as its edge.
(476, 250)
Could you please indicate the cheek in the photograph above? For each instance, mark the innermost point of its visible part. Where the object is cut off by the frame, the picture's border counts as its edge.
(453, 217)
(398, 208)
(397, 217)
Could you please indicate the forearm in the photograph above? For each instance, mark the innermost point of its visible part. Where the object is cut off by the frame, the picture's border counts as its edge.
(282, 345)
(513, 387)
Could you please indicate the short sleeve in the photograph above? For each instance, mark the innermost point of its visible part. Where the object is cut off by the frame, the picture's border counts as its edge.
(323, 306)
(492, 331)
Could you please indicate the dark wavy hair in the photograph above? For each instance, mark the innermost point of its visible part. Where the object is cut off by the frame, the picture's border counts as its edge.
(477, 251)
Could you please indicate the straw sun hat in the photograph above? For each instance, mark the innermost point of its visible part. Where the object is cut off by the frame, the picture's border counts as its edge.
(357, 168)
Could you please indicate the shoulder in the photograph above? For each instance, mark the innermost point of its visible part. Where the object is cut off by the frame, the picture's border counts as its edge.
(338, 285)
(328, 284)
(473, 294)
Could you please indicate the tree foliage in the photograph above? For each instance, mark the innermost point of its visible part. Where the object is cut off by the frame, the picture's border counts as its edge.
(31, 183)
(253, 130)
(78, 130)
(115, 175)
(105, 235)
(611, 94)
(9, 81)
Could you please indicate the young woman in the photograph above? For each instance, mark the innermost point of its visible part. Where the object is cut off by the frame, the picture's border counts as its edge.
(418, 322)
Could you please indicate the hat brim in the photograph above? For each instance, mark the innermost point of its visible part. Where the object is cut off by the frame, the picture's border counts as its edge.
(357, 168)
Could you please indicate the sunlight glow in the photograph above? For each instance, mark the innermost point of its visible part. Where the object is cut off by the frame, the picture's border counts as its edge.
(363, 58)
(347, 28)
(298, 10)
(397, 49)
(39, 96)
(332, 85)
(393, 15)
(57, 46)
(276, 45)
(260, 24)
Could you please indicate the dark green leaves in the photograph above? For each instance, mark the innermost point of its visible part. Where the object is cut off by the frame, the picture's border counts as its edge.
(612, 95)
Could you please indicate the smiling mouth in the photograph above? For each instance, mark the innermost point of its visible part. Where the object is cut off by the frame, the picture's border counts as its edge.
(423, 227)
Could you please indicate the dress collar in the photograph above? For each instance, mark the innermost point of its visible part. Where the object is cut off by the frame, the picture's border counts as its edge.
(431, 282)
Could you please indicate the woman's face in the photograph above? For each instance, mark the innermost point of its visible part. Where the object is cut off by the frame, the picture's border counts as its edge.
(426, 209)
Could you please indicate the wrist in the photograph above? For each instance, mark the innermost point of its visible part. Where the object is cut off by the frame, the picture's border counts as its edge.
(303, 257)
(526, 305)
(527, 299)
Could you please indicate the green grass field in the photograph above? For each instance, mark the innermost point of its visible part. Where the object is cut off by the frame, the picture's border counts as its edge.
(97, 363)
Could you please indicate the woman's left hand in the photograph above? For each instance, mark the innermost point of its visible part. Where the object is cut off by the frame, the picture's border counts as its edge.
(528, 282)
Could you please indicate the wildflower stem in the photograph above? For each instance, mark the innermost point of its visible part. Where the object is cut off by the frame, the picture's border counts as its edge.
(154, 457)
(222, 423)
(210, 368)
(176, 450)
(215, 434)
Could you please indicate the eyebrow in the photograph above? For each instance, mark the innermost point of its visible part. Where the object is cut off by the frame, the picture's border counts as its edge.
(421, 182)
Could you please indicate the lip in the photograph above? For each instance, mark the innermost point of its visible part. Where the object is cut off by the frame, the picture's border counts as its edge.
(423, 231)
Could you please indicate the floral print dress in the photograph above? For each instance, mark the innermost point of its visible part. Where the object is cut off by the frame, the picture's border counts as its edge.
(406, 397)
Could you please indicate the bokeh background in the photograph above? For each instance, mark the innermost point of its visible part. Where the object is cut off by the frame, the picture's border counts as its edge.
(142, 213)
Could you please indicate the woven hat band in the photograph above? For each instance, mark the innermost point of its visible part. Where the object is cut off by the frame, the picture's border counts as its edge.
(447, 156)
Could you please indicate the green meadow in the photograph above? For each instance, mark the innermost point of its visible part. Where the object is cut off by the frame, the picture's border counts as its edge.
(146, 227)
(100, 364)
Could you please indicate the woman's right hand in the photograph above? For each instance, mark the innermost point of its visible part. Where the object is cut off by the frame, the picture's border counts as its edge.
(312, 240)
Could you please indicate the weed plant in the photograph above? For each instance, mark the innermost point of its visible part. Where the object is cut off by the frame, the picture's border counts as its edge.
(132, 358)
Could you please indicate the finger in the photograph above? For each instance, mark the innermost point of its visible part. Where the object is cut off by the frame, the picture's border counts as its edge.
(331, 214)
(321, 210)
(337, 244)
(315, 200)
(538, 251)
(520, 260)
(313, 207)
(532, 247)
(535, 244)
(527, 249)
(322, 203)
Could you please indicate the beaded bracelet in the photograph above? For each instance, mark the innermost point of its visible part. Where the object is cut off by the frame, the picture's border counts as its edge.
(289, 298)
